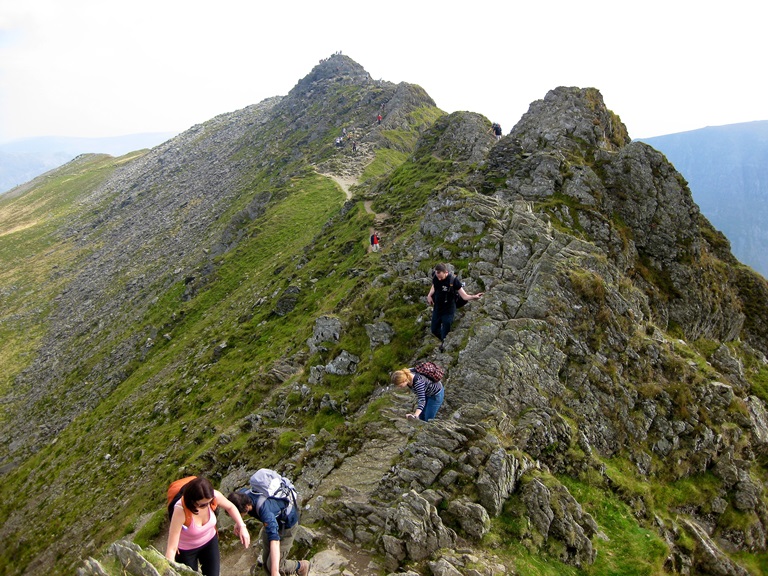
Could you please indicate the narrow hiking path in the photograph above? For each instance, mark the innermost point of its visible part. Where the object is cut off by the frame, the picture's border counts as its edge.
(344, 182)
(346, 169)
(358, 474)
(357, 477)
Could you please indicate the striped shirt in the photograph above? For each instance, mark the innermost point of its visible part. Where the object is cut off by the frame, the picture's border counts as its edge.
(423, 387)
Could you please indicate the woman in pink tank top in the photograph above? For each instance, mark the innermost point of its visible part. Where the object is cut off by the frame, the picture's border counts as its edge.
(192, 537)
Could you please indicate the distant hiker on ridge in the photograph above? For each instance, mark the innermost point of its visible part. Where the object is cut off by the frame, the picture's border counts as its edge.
(375, 238)
(442, 296)
(496, 129)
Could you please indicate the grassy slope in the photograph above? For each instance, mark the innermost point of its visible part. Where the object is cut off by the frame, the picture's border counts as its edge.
(180, 408)
(126, 425)
(32, 255)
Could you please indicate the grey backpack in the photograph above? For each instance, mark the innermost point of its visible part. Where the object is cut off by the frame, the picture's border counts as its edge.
(266, 483)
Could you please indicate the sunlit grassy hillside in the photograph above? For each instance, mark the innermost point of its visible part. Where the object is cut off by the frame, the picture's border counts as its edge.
(34, 255)
(216, 349)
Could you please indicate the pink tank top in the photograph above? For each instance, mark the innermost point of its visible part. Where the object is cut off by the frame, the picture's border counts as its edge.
(196, 536)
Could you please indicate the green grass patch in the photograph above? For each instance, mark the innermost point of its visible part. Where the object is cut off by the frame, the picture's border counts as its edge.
(630, 549)
(411, 185)
(755, 563)
(147, 534)
(386, 160)
(627, 547)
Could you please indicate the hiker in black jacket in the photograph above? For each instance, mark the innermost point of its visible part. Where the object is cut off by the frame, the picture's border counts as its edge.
(442, 296)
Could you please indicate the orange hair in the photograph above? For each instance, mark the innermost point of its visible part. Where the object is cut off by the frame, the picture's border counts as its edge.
(400, 377)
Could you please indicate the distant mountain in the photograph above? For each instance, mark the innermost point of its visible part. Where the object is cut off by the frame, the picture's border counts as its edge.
(727, 171)
(23, 160)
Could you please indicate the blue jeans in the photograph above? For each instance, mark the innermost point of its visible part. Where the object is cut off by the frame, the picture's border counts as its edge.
(432, 405)
(441, 323)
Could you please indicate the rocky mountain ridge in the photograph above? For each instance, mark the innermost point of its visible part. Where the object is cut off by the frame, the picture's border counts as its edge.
(618, 355)
(724, 166)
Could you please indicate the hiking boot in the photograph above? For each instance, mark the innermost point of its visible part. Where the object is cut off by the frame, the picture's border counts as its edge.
(303, 569)
(442, 346)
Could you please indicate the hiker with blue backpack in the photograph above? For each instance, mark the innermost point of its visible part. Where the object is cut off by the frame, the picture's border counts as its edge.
(272, 499)
(425, 379)
(446, 294)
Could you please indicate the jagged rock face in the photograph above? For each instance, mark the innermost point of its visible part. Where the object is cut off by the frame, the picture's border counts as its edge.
(316, 106)
(725, 166)
(542, 284)
(567, 326)
(462, 138)
(577, 120)
(336, 69)
(626, 198)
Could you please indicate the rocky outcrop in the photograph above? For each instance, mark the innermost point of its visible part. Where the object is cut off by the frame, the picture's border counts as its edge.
(134, 560)
(590, 249)
(710, 559)
(726, 168)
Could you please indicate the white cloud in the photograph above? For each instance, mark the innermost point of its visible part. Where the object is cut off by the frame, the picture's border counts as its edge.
(95, 68)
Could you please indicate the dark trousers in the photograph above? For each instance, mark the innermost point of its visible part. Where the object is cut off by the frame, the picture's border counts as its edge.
(441, 322)
(207, 555)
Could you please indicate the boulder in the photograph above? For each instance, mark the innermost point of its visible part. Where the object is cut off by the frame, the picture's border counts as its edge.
(343, 365)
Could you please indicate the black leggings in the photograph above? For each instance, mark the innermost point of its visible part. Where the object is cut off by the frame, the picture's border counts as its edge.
(207, 555)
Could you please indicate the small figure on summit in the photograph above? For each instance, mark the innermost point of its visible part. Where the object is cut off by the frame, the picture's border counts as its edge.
(496, 129)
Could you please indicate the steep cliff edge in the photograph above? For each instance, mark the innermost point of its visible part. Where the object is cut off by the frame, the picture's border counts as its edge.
(605, 400)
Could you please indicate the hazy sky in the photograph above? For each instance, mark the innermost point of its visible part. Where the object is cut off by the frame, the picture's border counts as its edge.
(95, 68)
